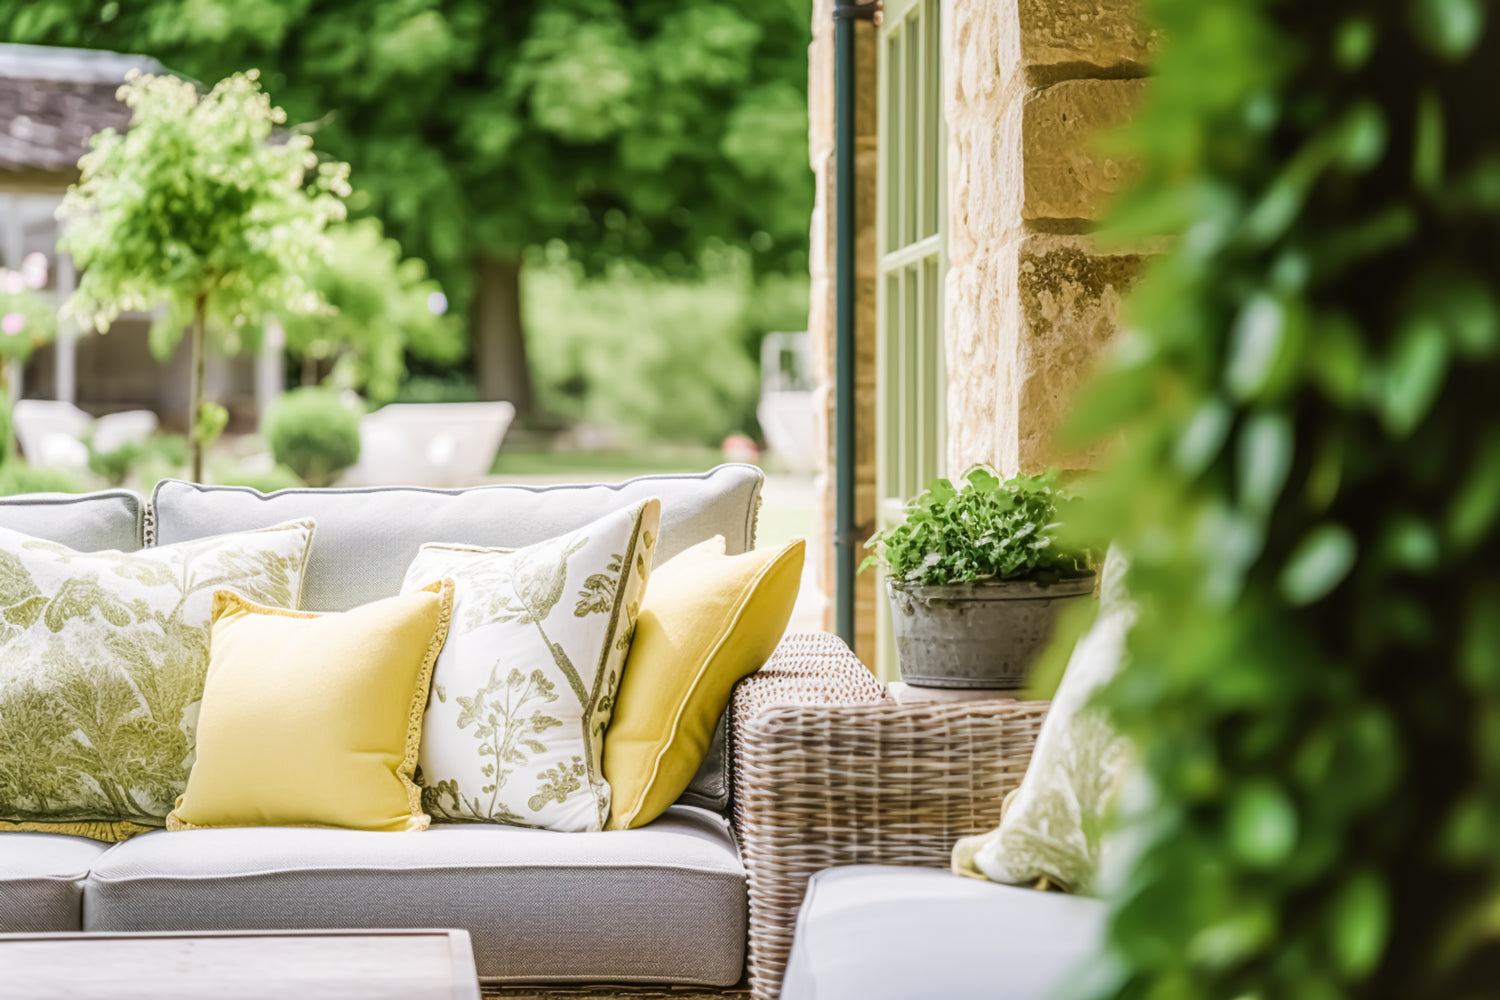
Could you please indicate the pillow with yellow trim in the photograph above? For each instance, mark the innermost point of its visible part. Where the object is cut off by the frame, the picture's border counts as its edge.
(102, 661)
(708, 622)
(525, 688)
(315, 720)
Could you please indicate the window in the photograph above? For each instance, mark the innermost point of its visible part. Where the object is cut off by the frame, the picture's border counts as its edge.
(912, 261)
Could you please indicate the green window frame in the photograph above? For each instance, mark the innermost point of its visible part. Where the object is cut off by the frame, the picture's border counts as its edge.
(912, 264)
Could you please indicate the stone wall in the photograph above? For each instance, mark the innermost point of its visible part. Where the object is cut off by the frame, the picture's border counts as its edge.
(821, 314)
(1030, 300)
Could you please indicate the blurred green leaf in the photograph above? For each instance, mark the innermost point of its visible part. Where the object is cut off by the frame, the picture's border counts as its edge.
(1262, 824)
(1414, 375)
(1450, 28)
(1203, 437)
(1427, 150)
(1260, 348)
(1264, 460)
(1361, 924)
(1318, 564)
(1354, 42)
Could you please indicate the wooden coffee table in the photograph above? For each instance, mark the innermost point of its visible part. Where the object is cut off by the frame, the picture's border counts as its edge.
(239, 965)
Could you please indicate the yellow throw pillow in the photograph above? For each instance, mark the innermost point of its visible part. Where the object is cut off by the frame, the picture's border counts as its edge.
(314, 720)
(708, 621)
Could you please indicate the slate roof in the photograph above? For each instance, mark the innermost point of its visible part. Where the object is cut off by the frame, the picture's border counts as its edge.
(52, 100)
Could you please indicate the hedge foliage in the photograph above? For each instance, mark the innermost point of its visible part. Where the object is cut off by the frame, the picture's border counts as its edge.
(1309, 485)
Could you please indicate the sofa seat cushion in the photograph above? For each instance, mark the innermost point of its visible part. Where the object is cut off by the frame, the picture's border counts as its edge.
(41, 881)
(912, 933)
(665, 903)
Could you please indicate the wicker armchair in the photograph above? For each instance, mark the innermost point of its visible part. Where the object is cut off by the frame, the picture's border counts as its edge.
(829, 771)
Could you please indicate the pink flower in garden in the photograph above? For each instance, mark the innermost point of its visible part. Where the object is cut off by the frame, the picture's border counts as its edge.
(12, 324)
(34, 270)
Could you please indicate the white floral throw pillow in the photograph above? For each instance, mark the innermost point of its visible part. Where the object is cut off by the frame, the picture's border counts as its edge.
(523, 690)
(102, 662)
(1054, 828)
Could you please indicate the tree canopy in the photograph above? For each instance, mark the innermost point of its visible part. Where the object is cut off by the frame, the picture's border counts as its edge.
(626, 129)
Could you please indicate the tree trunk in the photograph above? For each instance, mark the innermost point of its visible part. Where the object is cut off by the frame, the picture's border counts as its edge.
(198, 362)
(309, 370)
(496, 337)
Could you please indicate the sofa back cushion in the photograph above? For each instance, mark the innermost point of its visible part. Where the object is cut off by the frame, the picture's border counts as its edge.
(87, 522)
(367, 537)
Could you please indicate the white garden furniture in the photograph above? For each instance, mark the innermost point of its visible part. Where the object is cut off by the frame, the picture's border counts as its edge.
(54, 433)
(429, 444)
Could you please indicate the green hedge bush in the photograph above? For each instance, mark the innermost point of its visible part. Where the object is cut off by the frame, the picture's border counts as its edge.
(16, 478)
(658, 360)
(314, 433)
(1310, 487)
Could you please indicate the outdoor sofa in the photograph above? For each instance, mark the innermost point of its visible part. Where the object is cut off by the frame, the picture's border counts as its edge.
(813, 768)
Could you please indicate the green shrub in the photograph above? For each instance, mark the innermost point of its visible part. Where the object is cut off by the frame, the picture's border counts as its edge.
(659, 360)
(1309, 485)
(114, 465)
(985, 529)
(278, 477)
(16, 477)
(435, 389)
(165, 456)
(313, 433)
(162, 454)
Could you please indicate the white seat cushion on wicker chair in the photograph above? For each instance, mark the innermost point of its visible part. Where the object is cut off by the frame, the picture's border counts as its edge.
(870, 932)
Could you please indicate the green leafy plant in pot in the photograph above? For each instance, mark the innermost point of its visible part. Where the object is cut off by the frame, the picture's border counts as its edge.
(977, 575)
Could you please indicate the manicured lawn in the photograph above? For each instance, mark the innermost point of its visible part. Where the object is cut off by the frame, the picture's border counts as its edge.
(605, 466)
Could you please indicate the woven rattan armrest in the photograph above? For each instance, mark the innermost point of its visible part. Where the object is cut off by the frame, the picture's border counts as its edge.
(829, 771)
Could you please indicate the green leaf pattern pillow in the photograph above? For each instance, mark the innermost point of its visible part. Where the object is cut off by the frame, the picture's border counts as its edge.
(102, 662)
(1054, 825)
(525, 685)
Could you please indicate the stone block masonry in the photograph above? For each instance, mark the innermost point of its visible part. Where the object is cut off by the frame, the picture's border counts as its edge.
(1030, 301)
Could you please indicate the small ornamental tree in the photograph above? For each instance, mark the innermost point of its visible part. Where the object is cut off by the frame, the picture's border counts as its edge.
(199, 210)
(384, 307)
(1308, 484)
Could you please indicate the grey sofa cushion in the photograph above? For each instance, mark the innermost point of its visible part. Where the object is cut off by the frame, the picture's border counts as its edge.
(88, 522)
(665, 903)
(41, 881)
(913, 933)
(366, 537)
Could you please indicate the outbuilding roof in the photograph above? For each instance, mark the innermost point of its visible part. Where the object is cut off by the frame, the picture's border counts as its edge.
(52, 100)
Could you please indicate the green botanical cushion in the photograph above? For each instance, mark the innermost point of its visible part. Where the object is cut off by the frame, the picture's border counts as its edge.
(525, 685)
(1052, 830)
(102, 662)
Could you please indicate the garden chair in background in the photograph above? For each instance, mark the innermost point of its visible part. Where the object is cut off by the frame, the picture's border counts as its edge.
(55, 434)
(429, 444)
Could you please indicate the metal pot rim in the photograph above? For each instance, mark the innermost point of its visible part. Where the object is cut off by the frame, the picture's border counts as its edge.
(996, 590)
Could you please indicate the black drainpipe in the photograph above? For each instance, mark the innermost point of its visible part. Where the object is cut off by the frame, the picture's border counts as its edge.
(845, 534)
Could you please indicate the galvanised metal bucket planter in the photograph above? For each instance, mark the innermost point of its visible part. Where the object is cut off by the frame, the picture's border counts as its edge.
(977, 635)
